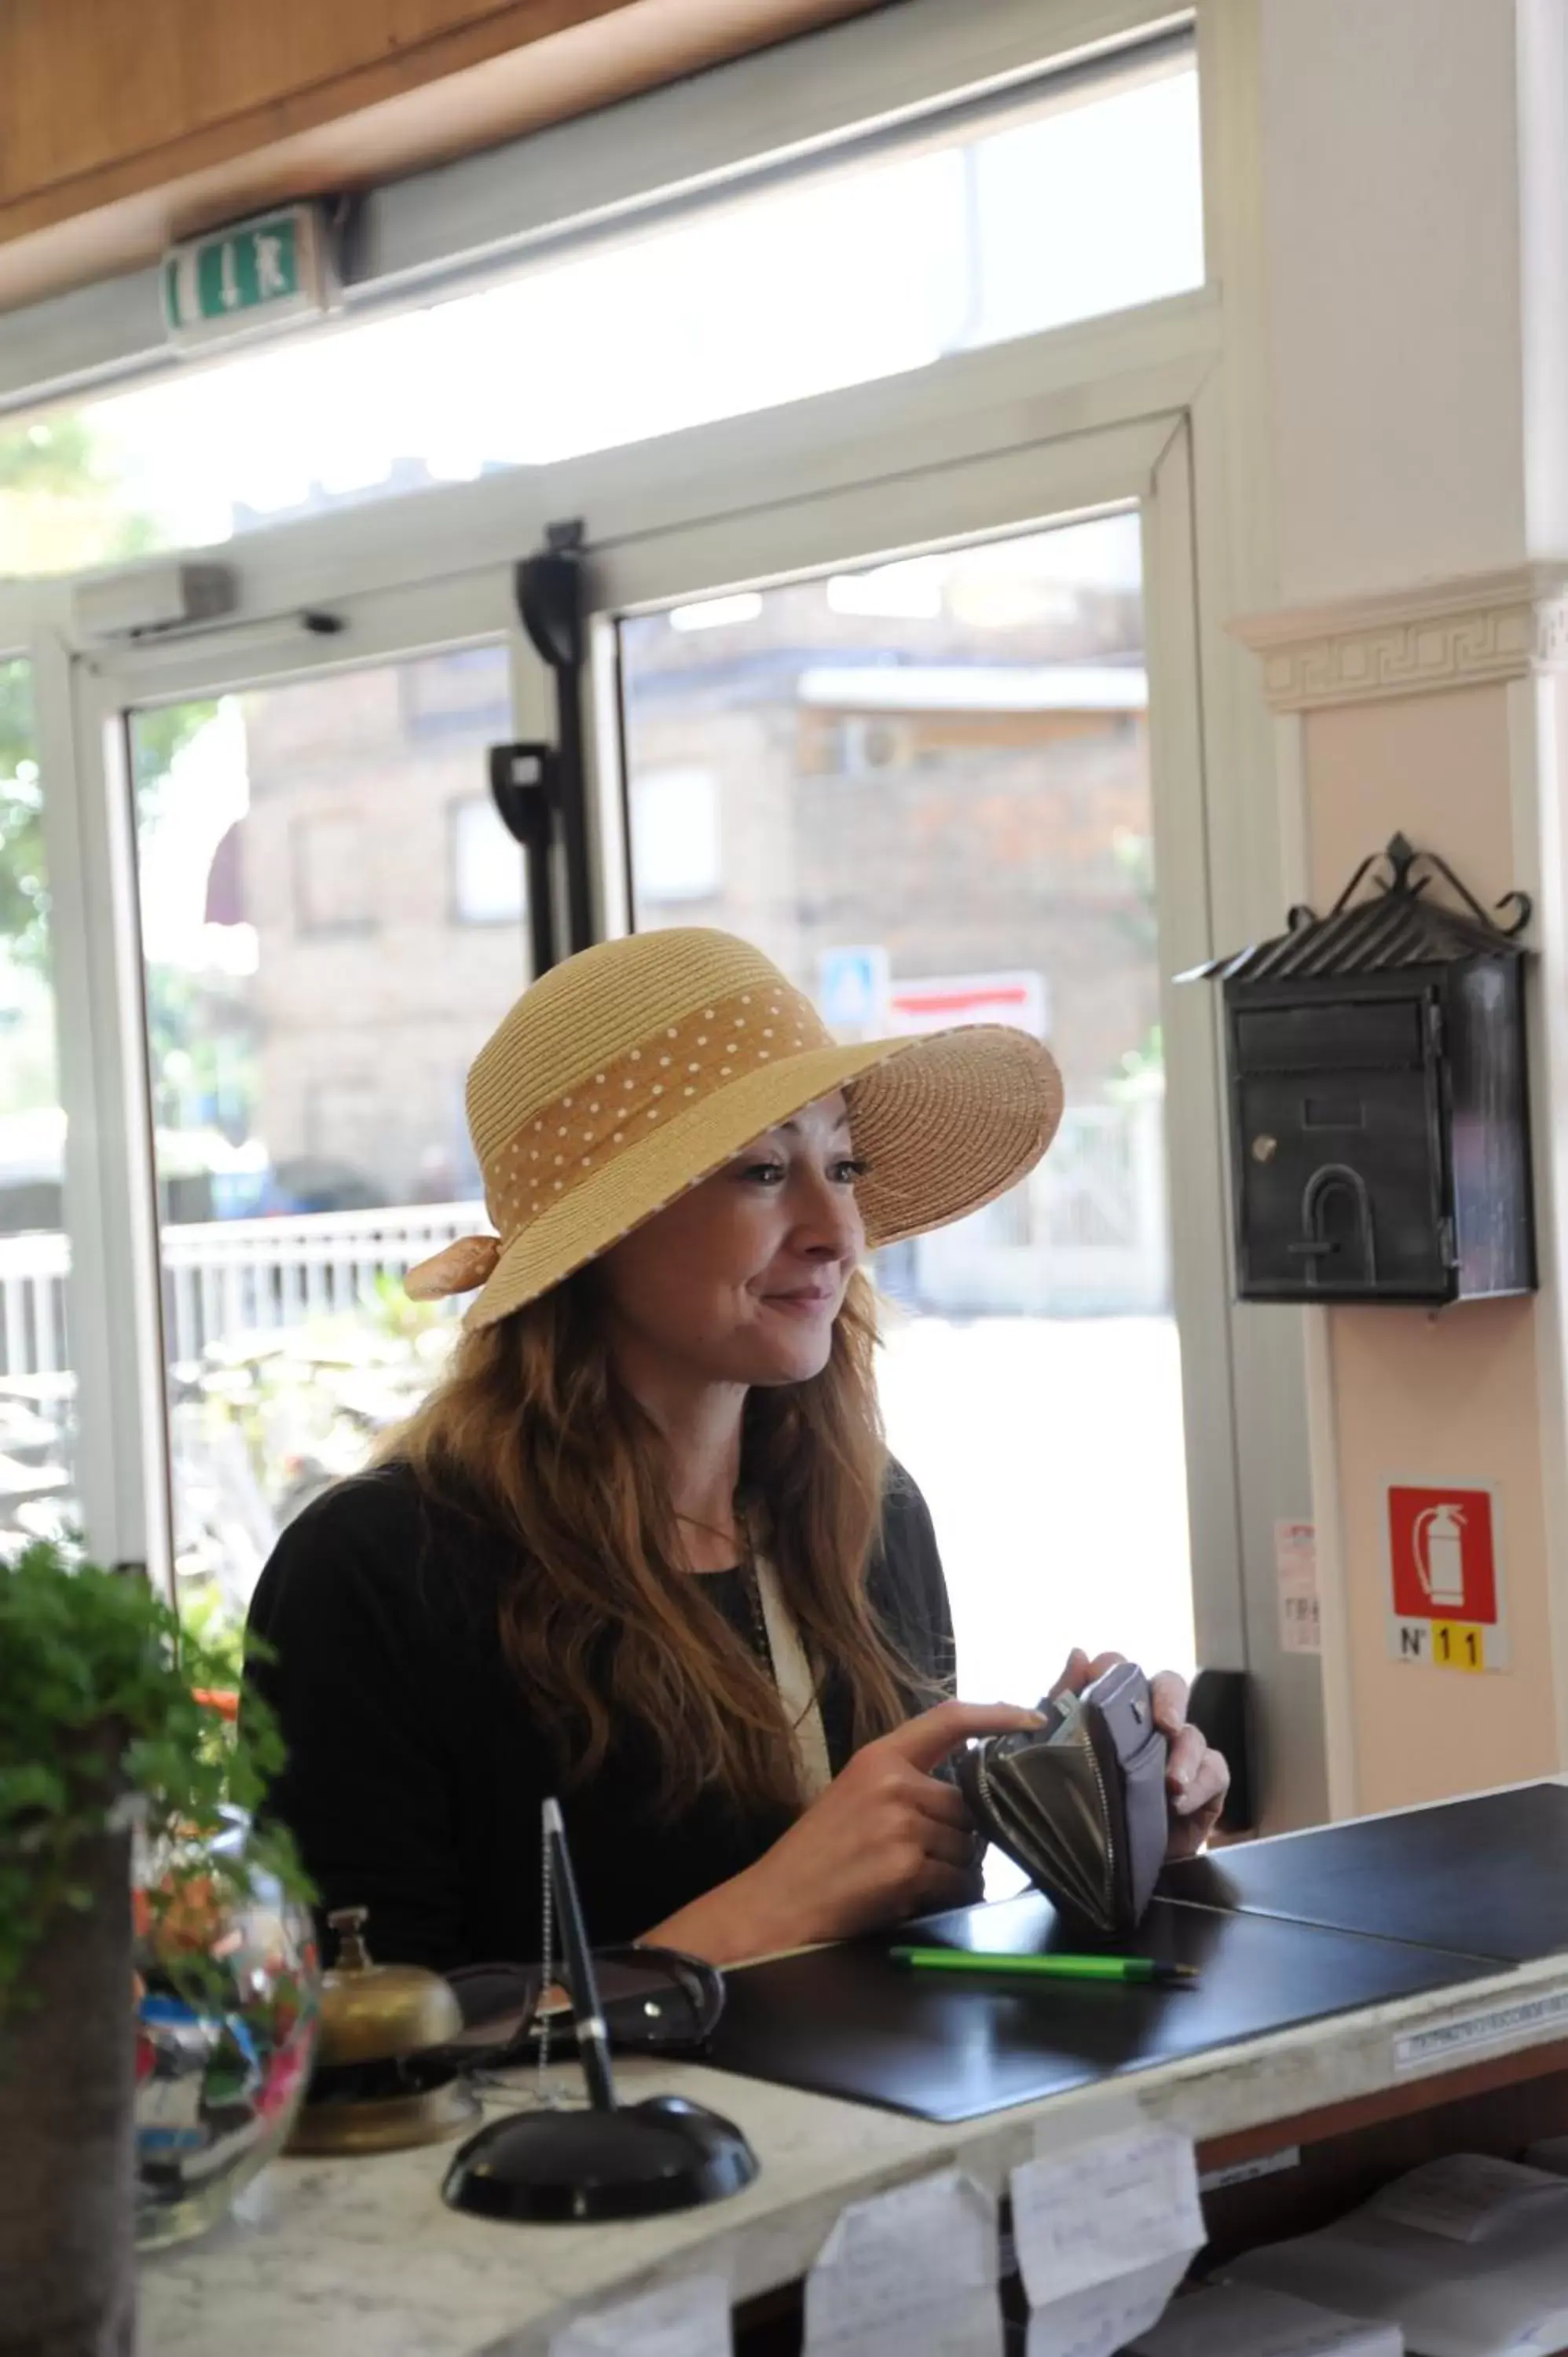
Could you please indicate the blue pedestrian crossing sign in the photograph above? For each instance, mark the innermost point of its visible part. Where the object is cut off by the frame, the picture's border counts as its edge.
(853, 988)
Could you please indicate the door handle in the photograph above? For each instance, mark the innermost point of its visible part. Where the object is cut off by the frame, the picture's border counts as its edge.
(524, 790)
(550, 597)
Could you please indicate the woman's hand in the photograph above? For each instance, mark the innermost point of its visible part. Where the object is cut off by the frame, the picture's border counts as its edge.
(883, 1842)
(1196, 1778)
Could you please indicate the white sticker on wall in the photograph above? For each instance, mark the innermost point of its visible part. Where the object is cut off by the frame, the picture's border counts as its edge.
(1296, 1564)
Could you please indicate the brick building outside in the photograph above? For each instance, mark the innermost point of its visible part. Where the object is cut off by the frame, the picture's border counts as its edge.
(968, 795)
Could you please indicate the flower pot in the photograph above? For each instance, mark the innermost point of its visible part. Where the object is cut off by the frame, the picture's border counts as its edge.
(67, 2150)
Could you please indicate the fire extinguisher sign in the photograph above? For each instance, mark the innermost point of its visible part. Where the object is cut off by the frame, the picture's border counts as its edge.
(1445, 1580)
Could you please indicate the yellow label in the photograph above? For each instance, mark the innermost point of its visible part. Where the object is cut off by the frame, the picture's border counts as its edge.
(1458, 1645)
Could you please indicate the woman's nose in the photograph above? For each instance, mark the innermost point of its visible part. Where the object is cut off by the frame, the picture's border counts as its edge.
(830, 1227)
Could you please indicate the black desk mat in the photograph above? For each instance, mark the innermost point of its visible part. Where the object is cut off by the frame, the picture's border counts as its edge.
(847, 2021)
(1488, 1876)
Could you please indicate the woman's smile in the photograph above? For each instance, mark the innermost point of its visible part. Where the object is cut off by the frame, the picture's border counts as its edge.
(808, 1301)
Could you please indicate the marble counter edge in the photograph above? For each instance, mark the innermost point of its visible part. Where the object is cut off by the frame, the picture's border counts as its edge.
(818, 2154)
(1260, 2081)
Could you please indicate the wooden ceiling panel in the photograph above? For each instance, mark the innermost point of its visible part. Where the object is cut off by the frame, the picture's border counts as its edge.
(89, 83)
(126, 123)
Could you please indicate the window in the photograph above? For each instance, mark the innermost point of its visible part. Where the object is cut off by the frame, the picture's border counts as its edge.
(983, 854)
(675, 835)
(307, 1044)
(343, 1127)
(487, 881)
(456, 695)
(333, 889)
(1085, 199)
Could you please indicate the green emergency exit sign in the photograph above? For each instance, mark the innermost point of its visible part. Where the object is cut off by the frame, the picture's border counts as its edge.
(255, 274)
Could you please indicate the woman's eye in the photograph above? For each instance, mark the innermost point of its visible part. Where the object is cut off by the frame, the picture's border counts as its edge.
(842, 1172)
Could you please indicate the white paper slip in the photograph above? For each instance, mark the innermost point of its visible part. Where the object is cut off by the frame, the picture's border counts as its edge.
(1466, 2195)
(1296, 1564)
(1099, 2211)
(919, 2255)
(1502, 2292)
(1243, 2320)
(1104, 2316)
(678, 2320)
(967, 2326)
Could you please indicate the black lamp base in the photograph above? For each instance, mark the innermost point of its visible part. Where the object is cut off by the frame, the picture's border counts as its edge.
(565, 2167)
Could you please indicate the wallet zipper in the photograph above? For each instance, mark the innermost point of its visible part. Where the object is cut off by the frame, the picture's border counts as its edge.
(982, 1778)
(1110, 1836)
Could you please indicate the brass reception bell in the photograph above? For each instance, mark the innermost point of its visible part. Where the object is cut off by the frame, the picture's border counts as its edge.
(371, 2091)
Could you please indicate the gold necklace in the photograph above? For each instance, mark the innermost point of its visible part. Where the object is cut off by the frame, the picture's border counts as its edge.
(753, 1587)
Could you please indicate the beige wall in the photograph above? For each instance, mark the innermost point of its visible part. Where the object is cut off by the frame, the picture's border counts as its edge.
(1464, 1395)
(1415, 341)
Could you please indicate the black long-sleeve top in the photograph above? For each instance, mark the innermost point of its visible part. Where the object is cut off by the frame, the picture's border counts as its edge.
(416, 1768)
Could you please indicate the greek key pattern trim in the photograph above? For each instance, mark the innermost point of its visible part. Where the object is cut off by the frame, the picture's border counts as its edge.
(1459, 635)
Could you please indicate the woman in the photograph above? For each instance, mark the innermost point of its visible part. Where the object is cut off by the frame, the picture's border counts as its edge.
(643, 1546)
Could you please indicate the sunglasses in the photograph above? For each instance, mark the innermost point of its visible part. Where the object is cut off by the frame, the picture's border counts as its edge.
(652, 2001)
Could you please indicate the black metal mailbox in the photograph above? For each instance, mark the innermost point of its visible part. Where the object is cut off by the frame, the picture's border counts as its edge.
(1380, 1129)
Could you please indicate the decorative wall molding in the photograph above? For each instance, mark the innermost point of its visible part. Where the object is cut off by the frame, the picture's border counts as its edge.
(1459, 633)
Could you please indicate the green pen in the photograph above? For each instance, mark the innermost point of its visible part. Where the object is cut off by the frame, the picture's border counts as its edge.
(1142, 1970)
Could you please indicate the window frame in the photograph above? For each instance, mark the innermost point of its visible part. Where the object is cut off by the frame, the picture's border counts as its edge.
(894, 78)
(1142, 462)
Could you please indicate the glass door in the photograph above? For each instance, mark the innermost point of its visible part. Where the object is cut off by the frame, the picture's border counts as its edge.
(924, 788)
(331, 915)
(320, 915)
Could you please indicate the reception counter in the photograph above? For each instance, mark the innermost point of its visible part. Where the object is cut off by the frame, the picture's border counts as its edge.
(1293, 2123)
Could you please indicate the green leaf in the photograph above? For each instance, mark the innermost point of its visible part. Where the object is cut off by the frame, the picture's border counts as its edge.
(95, 1704)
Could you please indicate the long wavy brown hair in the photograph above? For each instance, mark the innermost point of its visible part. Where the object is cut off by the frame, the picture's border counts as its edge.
(604, 1626)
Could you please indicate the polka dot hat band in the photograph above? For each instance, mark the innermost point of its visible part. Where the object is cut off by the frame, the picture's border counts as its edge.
(639, 1067)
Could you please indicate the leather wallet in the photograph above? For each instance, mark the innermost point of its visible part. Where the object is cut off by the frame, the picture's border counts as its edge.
(1079, 1804)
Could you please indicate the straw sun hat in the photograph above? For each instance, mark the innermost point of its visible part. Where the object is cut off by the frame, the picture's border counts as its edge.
(639, 1067)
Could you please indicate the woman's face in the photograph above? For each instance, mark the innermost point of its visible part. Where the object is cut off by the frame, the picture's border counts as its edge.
(740, 1280)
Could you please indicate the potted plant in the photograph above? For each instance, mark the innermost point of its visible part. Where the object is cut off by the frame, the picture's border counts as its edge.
(110, 1731)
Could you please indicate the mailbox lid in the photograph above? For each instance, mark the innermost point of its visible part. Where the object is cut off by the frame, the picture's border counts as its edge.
(1364, 1031)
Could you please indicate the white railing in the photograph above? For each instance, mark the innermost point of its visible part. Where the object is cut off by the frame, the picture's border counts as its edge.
(247, 1277)
(1088, 1233)
(1099, 1201)
(32, 1303)
(224, 1278)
